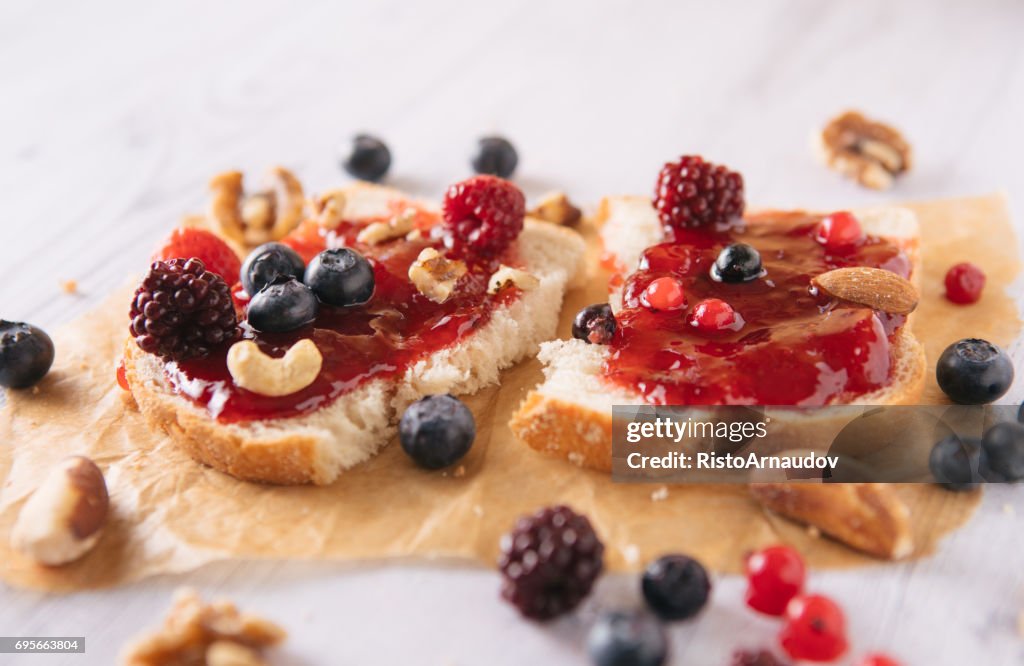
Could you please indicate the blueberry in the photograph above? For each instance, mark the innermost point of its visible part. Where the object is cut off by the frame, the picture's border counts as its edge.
(974, 372)
(627, 638)
(1020, 413)
(26, 354)
(267, 263)
(955, 463)
(340, 277)
(495, 156)
(738, 262)
(676, 587)
(594, 324)
(1003, 449)
(368, 158)
(284, 305)
(437, 431)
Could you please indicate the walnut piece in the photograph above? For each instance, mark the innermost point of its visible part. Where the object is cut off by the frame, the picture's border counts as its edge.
(506, 276)
(868, 151)
(260, 217)
(194, 632)
(435, 275)
(556, 208)
(257, 372)
(379, 232)
(329, 208)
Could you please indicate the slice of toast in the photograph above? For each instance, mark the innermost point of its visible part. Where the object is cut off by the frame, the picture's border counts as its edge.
(316, 447)
(570, 413)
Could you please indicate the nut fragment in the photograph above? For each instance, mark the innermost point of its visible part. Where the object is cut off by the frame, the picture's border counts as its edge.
(870, 152)
(379, 232)
(329, 208)
(216, 634)
(506, 276)
(435, 275)
(257, 372)
(875, 288)
(63, 518)
(556, 208)
(258, 217)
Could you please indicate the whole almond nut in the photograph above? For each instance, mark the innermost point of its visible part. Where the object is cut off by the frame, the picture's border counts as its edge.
(875, 288)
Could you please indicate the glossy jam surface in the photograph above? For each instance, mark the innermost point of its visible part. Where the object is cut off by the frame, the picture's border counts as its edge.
(398, 327)
(794, 348)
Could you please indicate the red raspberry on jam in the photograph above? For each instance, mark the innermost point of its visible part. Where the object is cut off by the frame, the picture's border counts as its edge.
(693, 193)
(815, 629)
(664, 293)
(878, 660)
(839, 231)
(774, 576)
(483, 215)
(713, 315)
(964, 283)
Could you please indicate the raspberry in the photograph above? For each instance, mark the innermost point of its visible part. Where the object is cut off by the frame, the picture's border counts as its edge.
(181, 310)
(217, 255)
(964, 283)
(815, 629)
(664, 293)
(759, 658)
(549, 562)
(483, 214)
(774, 576)
(695, 193)
(839, 231)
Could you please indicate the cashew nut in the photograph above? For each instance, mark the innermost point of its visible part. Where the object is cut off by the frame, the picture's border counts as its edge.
(259, 217)
(257, 372)
(63, 518)
(434, 275)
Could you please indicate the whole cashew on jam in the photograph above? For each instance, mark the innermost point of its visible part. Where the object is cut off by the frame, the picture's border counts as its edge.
(257, 372)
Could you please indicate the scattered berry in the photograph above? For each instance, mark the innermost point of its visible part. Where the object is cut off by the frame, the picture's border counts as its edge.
(122, 376)
(815, 629)
(676, 587)
(737, 263)
(964, 283)
(26, 354)
(713, 315)
(216, 255)
(1003, 451)
(693, 193)
(759, 658)
(437, 431)
(594, 324)
(181, 310)
(282, 306)
(549, 562)
(839, 231)
(368, 158)
(664, 293)
(627, 638)
(495, 156)
(268, 263)
(955, 463)
(775, 575)
(340, 277)
(974, 372)
(483, 214)
(878, 660)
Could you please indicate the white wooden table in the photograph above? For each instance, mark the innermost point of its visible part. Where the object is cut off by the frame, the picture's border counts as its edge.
(113, 115)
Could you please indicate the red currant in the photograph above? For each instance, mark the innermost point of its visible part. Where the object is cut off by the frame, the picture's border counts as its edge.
(713, 315)
(664, 293)
(775, 575)
(122, 378)
(878, 660)
(964, 283)
(815, 629)
(839, 231)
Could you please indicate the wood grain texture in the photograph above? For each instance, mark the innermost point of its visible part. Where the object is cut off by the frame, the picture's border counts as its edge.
(115, 114)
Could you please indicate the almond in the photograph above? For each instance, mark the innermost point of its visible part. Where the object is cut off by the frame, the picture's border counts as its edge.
(875, 288)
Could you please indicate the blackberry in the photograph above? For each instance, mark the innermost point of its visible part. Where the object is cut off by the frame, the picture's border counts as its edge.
(549, 562)
(483, 214)
(694, 193)
(181, 310)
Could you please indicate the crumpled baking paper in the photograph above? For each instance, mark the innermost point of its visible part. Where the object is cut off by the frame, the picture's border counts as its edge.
(171, 514)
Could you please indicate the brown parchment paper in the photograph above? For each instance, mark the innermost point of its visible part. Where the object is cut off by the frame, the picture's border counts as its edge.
(173, 515)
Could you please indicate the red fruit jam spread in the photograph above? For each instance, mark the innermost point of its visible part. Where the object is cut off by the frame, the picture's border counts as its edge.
(794, 348)
(380, 339)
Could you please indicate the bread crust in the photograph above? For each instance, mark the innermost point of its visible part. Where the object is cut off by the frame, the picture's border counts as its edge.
(315, 448)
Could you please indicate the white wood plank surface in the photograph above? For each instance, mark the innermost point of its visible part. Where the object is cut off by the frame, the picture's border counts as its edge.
(113, 115)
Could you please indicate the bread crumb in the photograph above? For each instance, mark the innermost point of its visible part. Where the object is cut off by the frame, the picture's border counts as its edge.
(1009, 510)
(69, 286)
(459, 472)
(631, 553)
(478, 510)
(813, 532)
(660, 494)
(35, 390)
